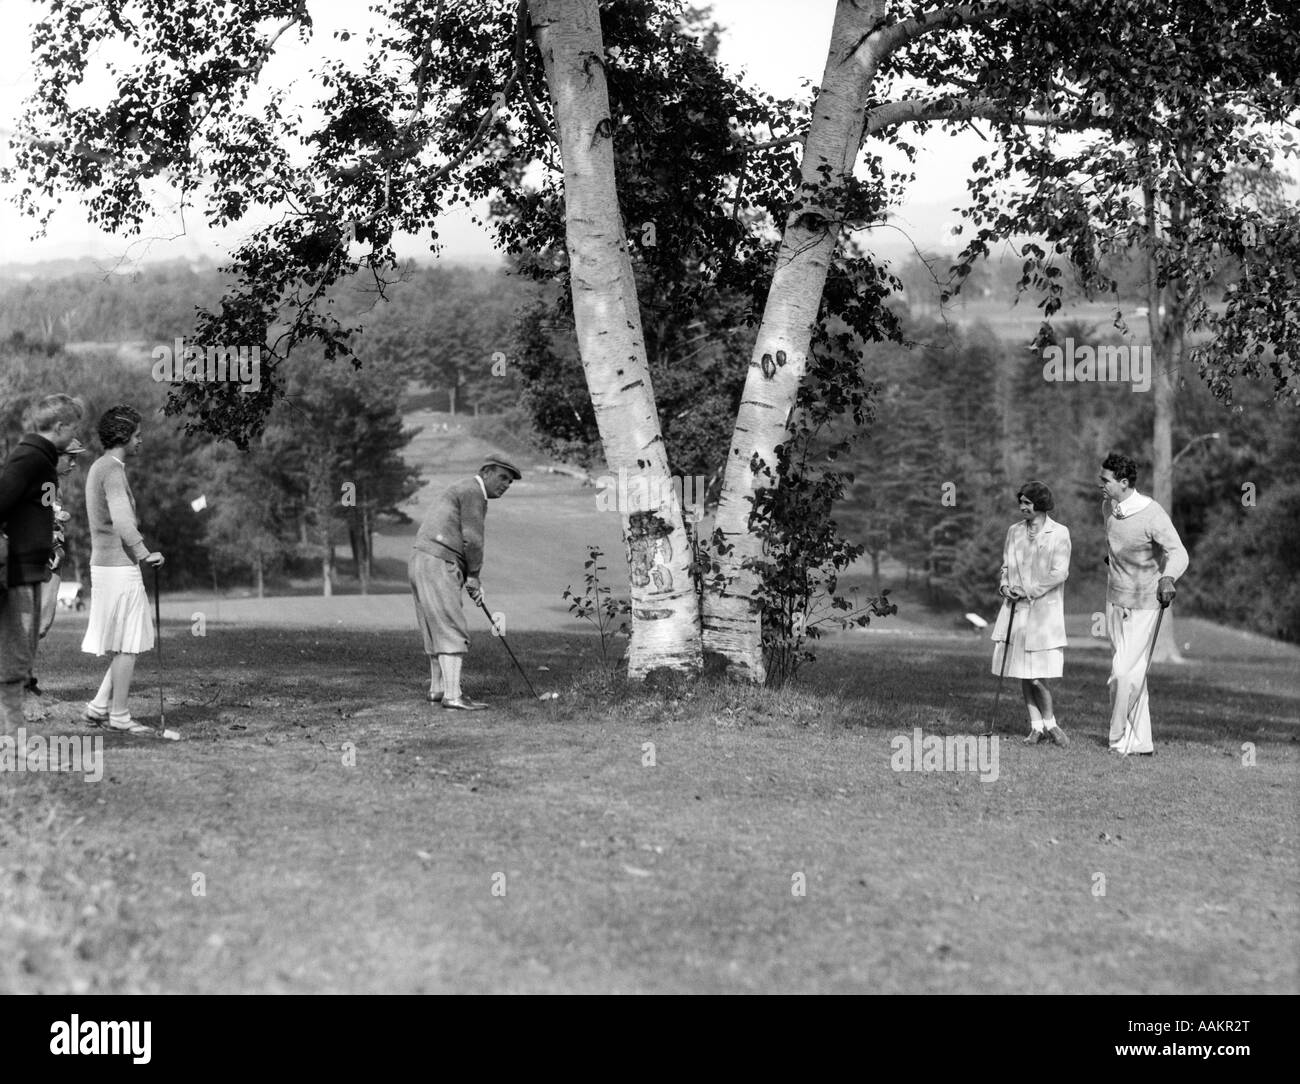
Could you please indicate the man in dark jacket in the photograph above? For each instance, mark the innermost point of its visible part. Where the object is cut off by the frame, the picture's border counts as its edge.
(28, 482)
(448, 555)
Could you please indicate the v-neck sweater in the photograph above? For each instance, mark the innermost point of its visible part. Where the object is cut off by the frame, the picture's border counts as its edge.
(1141, 549)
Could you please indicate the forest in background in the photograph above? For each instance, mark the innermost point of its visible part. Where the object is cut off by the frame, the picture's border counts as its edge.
(961, 418)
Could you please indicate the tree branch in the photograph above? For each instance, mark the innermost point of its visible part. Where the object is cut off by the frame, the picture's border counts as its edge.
(798, 137)
(479, 132)
(891, 114)
(521, 43)
(892, 38)
(254, 70)
(409, 148)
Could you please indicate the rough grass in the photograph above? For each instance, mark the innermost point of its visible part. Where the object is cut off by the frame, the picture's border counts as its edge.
(619, 876)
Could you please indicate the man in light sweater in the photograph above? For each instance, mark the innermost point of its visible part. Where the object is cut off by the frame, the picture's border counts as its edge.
(28, 483)
(1145, 557)
(448, 554)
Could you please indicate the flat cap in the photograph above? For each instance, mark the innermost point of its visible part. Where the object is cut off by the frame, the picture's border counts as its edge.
(495, 460)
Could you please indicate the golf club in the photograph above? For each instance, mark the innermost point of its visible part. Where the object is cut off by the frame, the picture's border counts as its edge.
(1006, 650)
(1136, 699)
(502, 636)
(163, 732)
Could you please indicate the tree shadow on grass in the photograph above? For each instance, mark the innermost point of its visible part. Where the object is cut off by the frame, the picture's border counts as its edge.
(270, 678)
(1245, 699)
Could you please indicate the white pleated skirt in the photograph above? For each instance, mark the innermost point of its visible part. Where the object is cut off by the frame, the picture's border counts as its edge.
(120, 620)
(1049, 663)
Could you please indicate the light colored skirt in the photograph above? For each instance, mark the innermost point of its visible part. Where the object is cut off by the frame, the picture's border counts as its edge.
(1028, 664)
(120, 620)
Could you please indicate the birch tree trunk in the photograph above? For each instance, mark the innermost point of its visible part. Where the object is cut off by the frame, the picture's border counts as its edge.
(732, 625)
(665, 610)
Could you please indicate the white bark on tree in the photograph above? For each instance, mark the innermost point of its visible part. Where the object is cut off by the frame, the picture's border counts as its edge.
(731, 616)
(665, 609)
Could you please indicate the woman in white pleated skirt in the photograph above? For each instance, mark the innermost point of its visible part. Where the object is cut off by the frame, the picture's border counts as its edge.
(120, 624)
(1035, 566)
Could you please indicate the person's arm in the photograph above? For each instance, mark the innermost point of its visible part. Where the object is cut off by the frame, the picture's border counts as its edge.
(121, 515)
(1004, 577)
(471, 507)
(1059, 571)
(13, 488)
(471, 531)
(1173, 557)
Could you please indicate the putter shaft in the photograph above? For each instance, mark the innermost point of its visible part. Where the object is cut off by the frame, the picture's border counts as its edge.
(501, 636)
(1137, 697)
(157, 620)
(1006, 650)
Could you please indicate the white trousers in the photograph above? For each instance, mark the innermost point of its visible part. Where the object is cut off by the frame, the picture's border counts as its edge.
(1130, 708)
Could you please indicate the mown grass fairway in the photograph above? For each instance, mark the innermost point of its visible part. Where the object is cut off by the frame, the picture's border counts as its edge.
(622, 877)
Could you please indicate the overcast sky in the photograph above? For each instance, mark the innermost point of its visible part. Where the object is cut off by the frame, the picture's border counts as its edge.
(777, 53)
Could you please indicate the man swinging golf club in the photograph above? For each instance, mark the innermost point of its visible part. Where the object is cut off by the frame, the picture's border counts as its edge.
(1145, 557)
(448, 555)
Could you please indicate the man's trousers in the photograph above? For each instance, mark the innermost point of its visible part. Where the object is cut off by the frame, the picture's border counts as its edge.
(436, 585)
(20, 611)
(1130, 634)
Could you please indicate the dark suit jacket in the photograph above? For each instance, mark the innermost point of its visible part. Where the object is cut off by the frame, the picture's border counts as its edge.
(27, 508)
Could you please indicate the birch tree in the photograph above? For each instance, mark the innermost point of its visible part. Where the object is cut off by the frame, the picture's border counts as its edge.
(446, 107)
(409, 132)
(1059, 67)
(610, 340)
(780, 356)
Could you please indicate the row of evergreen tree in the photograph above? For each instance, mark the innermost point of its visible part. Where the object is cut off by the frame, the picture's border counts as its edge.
(328, 467)
(961, 418)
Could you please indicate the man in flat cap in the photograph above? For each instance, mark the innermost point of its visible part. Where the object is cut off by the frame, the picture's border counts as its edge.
(448, 555)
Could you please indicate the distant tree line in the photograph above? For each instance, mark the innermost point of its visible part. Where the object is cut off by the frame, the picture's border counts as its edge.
(962, 417)
(449, 329)
(327, 469)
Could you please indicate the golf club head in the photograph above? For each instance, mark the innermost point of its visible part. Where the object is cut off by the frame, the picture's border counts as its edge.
(169, 735)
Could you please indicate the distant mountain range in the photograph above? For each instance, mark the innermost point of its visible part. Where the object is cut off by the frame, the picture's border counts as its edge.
(37, 270)
(87, 265)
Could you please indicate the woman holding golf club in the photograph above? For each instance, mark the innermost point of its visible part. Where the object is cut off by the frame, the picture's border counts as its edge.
(120, 623)
(1030, 631)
